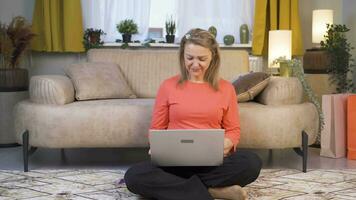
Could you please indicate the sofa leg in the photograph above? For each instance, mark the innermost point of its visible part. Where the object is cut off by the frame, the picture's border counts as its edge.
(26, 152)
(25, 138)
(304, 151)
(63, 156)
(270, 155)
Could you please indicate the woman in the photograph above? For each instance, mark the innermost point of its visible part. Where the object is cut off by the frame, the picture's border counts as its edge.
(197, 99)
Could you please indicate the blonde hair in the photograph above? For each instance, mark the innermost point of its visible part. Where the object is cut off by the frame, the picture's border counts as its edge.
(205, 39)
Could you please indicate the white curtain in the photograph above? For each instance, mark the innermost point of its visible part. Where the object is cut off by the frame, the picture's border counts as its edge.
(226, 15)
(106, 14)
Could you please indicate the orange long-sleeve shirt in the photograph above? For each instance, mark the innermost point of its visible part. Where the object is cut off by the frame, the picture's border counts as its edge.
(197, 106)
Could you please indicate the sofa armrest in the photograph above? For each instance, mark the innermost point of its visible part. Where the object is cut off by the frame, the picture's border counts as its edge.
(282, 91)
(51, 89)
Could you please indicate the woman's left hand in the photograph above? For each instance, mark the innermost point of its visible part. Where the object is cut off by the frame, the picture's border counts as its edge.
(228, 145)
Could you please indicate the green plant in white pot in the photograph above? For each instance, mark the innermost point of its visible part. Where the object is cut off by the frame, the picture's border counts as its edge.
(127, 28)
(15, 38)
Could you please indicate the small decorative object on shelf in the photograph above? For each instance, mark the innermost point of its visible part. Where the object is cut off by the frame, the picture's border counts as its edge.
(244, 34)
(92, 38)
(127, 28)
(229, 39)
(295, 66)
(213, 30)
(170, 30)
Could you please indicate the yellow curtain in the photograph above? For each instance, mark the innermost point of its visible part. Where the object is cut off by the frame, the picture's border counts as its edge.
(276, 15)
(58, 26)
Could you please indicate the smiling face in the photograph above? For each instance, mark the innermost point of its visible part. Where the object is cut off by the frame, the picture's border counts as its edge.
(196, 60)
(199, 58)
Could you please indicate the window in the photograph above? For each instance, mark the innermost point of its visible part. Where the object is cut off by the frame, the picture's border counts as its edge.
(227, 16)
(160, 11)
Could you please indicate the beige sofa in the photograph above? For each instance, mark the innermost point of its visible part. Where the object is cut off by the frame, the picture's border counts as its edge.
(51, 118)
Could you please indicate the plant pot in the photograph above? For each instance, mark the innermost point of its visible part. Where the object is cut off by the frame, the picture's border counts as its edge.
(94, 38)
(285, 70)
(126, 38)
(170, 38)
(12, 80)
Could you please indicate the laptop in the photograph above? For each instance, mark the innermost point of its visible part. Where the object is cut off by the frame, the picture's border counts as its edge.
(187, 147)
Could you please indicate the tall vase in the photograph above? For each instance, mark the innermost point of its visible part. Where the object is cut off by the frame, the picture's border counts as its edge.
(244, 34)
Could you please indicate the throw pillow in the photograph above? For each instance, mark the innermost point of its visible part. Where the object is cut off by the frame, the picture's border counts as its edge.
(282, 91)
(249, 85)
(98, 81)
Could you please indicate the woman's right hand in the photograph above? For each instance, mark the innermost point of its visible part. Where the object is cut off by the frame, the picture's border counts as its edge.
(149, 151)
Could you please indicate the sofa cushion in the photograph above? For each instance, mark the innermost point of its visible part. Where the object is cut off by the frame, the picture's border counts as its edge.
(249, 85)
(280, 126)
(125, 123)
(98, 81)
(282, 90)
(51, 89)
(146, 69)
(86, 124)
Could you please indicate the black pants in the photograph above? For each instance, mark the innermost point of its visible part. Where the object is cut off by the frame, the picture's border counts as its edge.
(191, 183)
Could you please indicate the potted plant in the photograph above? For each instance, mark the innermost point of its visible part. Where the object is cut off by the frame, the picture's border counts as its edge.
(127, 27)
(15, 38)
(92, 38)
(341, 61)
(170, 30)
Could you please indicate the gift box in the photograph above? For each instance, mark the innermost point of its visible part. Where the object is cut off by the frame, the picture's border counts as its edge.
(333, 136)
(351, 127)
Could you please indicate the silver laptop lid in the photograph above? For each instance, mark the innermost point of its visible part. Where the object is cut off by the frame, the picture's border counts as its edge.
(188, 147)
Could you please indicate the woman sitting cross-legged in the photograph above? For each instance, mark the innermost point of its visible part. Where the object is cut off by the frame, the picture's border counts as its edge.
(197, 99)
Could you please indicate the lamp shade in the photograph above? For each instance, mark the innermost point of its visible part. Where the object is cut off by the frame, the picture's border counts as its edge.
(320, 19)
(279, 45)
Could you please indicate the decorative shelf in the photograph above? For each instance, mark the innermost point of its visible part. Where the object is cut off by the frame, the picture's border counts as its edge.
(169, 45)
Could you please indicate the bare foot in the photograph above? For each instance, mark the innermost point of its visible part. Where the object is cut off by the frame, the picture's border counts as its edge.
(234, 192)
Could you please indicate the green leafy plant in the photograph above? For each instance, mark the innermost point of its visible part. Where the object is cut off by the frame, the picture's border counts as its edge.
(298, 72)
(127, 26)
(341, 62)
(170, 26)
(15, 38)
(92, 38)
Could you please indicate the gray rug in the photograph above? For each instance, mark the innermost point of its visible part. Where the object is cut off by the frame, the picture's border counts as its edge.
(108, 184)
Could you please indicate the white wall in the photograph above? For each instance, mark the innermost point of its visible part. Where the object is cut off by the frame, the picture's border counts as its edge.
(12, 8)
(344, 13)
(36, 62)
(306, 8)
(349, 18)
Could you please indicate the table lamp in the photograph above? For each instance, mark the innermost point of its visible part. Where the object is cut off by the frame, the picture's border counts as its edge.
(279, 45)
(316, 60)
(320, 19)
